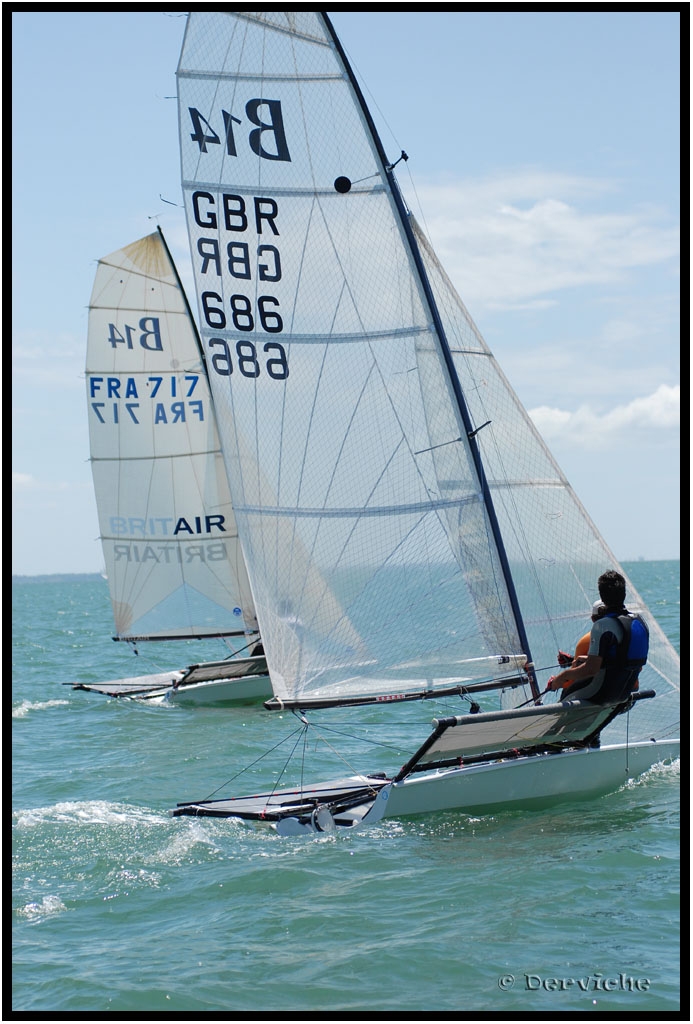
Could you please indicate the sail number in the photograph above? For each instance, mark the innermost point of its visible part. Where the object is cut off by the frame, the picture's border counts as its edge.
(234, 213)
(248, 359)
(266, 115)
(149, 339)
(242, 313)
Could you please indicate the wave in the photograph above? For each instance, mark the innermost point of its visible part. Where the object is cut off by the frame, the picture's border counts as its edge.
(36, 912)
(89, 812)
(22, 709)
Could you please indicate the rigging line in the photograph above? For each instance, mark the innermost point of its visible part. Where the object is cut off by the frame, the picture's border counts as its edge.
(256, 761)
(341, 757)
(240, 650)
(302, 733)
(628, 742)
(535, 699)
(367, 739)
(441, 445)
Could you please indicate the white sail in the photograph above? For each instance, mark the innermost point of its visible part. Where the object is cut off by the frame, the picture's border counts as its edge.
(393, 535)
(173, 560)
(312, 319)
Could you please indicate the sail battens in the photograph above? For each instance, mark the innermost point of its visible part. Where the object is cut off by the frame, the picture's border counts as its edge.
(201, 453)
(511, 484)
(308, 191)
(260, 76)
(355, 338)
(359, 512)
(152, 310)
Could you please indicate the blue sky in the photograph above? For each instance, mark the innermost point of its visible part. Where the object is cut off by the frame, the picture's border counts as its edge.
(543, 162)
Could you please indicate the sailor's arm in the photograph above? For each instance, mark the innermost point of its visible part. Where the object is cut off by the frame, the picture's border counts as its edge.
(589, 667)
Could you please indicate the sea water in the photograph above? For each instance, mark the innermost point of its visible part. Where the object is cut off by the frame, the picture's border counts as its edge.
(120, 908)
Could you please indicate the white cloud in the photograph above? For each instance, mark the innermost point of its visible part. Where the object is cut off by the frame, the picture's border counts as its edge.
(24, 482)
(512, 241)
(45, 358)
(584, 426)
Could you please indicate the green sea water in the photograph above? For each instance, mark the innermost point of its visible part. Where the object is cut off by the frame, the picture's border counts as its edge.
(119, 908)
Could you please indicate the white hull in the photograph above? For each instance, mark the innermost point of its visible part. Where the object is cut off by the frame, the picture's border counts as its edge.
(528, 782)
(248, 689)
(211, 683)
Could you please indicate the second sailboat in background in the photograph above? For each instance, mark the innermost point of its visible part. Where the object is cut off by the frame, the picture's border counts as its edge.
(173, 560)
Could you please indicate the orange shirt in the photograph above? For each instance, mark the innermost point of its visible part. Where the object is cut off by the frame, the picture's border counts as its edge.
(582, 646)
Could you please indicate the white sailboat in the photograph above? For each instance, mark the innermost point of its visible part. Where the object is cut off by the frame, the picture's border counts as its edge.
(407, 533)
(173, 561)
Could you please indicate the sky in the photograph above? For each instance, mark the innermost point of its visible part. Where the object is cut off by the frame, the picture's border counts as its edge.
(544, 153)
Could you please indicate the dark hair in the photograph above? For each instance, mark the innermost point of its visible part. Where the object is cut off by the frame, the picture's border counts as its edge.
(612, 588)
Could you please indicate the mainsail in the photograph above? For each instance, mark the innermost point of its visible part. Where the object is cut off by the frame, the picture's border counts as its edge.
(173, 559)
(403, 524)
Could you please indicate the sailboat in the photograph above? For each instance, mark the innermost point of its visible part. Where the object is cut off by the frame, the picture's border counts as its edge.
(406, 531)
(173, 561)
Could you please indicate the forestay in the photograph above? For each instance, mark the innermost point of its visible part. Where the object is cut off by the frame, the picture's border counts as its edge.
(168, 531)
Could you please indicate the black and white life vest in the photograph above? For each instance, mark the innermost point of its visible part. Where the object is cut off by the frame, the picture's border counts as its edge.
(623, 660)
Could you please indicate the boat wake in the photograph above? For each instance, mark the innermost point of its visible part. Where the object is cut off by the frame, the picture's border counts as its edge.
(89, 812)
(661, 770)
(22, 709)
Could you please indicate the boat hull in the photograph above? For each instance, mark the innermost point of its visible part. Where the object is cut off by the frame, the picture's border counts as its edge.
(231, 681)
(531, 782)
(527, 782)
(246, 690)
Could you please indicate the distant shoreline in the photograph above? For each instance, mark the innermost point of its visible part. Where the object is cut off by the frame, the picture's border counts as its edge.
(59, 577)
(74, 577)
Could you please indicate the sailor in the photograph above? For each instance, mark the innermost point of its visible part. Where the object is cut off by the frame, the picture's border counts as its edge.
(618, 646)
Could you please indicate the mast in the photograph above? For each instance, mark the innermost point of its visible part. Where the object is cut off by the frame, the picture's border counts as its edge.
(193, 323)
(447, 356)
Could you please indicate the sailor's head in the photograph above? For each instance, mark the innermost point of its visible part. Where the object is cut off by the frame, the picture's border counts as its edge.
(612, 588)
(598, 609)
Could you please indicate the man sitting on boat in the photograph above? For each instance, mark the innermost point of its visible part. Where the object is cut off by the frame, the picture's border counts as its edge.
(618, 646)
